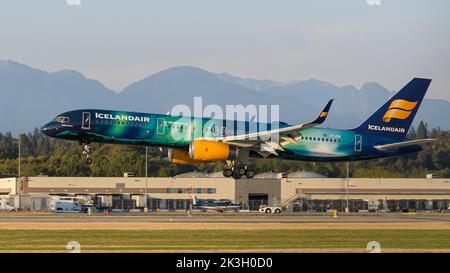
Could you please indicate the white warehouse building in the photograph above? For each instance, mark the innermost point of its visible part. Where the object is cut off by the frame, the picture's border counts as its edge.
(302, 192)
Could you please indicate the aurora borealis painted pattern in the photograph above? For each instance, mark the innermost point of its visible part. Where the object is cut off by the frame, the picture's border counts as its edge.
(312, 144)
(129, 128)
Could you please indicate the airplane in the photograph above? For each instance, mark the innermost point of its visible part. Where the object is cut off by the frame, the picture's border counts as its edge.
(382, 135)
(216, 205)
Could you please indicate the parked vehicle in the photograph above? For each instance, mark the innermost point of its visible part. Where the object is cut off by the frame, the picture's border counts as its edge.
(68, 205)
(5, 204)
(267, 209)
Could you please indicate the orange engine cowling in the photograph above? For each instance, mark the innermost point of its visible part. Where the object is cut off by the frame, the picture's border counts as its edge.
(180, 157)
(206, 150)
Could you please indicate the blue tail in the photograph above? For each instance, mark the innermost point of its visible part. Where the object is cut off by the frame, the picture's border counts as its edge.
(394, 118)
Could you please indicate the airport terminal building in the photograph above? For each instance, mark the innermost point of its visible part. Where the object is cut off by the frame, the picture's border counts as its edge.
(298, 192)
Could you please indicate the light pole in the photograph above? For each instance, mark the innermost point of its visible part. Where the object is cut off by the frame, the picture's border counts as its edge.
(18, 171)
(347, 210)
(146, 178)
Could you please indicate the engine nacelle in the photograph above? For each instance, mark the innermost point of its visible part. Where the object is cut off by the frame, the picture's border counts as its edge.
(206, 150)
(180, 157)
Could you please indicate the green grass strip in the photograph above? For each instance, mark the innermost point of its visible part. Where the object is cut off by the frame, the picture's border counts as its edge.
(23, 240)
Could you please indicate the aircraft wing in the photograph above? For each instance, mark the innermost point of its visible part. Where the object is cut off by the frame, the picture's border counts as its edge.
(394, 146)
(248, 140)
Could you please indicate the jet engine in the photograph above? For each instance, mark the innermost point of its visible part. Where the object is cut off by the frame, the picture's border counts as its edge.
(177, 156)
(206, 150)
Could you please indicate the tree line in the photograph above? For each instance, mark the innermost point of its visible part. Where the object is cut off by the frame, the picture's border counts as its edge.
(41, 155)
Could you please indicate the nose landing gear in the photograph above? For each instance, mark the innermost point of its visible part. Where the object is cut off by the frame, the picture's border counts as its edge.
(86, 152)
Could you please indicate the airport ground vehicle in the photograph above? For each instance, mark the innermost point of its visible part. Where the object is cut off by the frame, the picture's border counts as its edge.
(5, 204)
(88, 208)
(267, 209)
(67, 206)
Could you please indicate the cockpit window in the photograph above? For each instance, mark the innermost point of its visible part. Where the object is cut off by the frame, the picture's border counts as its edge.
(62, 119)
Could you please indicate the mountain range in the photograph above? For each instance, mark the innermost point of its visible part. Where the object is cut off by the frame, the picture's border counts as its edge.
(31, 97)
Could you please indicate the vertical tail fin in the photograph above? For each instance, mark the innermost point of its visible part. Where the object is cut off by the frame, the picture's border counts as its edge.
(394, 118)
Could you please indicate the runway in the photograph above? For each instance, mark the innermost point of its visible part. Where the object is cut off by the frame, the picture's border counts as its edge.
(229, 219)
(242, 222)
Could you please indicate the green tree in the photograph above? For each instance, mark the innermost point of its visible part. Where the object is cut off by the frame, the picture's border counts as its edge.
(422, 131)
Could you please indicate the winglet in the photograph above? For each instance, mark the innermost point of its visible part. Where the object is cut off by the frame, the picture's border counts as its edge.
(323, 115)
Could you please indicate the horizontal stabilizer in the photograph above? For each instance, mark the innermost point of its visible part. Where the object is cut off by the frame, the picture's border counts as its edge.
(394, 146)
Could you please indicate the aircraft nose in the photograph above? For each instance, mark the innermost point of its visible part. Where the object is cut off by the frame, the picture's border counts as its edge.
(50, 129)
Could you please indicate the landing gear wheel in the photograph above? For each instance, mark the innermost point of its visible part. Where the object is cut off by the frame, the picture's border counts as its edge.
(236, 175)
(86, 152)
(237, 169)
(250, 173)
(227, 173)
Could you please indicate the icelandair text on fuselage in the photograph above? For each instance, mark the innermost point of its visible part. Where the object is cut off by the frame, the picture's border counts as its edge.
(122, 117)
(386, 129)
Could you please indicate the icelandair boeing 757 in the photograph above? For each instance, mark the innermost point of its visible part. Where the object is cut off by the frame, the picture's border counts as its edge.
(381, 135)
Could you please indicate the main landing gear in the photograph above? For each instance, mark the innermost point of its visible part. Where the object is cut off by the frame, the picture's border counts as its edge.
(86, 152)
(238, 170)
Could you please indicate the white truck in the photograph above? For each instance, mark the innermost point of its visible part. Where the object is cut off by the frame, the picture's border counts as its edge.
(5, 204)
(267, 209)
(67, 205)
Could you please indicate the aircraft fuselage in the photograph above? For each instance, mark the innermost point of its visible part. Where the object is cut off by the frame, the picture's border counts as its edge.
(142, 129)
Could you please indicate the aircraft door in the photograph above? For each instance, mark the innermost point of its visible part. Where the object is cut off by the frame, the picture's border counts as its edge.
(358, 143)
(160, 126)
(86, 121)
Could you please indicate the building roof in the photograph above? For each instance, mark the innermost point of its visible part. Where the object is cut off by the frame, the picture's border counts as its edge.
(305, 174)
(194, 174)
(268, 175)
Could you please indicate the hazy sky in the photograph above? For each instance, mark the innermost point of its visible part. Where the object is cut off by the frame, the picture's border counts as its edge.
(343, 42)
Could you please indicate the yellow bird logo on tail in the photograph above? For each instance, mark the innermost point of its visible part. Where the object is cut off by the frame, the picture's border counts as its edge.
(399, 109)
